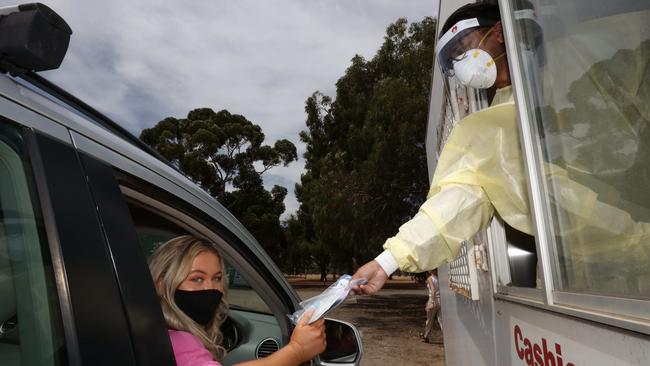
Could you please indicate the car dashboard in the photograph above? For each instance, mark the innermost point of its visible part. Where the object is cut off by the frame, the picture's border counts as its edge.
(249, 335)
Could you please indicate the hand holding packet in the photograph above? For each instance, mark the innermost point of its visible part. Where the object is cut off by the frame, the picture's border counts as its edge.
(328, 300)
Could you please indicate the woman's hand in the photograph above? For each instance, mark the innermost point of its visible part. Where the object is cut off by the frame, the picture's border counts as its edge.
(308, 340)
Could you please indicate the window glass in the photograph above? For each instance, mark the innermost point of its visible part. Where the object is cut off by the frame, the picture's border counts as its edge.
(522, 258)
(587, 71)
(153, 230)
(31, 331)
(241, 295)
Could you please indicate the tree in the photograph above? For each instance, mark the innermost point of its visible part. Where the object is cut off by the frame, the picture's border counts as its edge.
(366, 169)
(220, 152)
(297, 256)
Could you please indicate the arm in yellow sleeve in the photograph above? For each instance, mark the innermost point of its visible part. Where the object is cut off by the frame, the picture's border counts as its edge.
(434, 235)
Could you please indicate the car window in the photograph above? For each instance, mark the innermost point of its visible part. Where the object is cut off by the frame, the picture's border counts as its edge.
(31, 331)
(153, 230)
(241, 295)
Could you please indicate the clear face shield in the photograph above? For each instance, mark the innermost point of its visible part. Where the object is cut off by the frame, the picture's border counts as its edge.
(461, 64)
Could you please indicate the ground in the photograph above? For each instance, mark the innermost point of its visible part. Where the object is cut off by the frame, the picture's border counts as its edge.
(390, 323)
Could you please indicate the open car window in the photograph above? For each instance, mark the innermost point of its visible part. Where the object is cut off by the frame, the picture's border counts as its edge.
(153, 229)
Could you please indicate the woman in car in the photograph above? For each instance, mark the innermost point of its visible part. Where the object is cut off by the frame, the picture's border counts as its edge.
(189, 278)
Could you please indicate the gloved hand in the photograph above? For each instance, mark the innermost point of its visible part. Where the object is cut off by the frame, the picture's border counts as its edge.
(308, 340)
(375, 276)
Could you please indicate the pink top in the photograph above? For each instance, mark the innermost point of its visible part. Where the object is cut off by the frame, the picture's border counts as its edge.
(189, 351)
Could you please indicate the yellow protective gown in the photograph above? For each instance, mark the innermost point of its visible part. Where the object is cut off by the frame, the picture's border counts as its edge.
(481, 169)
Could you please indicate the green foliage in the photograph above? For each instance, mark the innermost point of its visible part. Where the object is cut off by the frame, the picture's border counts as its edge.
(365, 158)
(366, 168)
(219, 151)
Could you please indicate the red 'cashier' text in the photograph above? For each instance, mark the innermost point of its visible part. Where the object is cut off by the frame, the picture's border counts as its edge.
(535, 354)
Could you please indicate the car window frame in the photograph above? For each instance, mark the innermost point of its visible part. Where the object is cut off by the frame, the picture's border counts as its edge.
(173, 228)
(143, 172)
(231, 246)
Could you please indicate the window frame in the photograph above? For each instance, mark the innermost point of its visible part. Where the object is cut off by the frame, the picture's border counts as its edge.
(235, 253)
(615, 311)
(501, 274)
(144, 173)
(179, 219)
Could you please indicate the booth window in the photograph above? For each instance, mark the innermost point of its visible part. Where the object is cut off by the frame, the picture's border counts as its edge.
(587, 69)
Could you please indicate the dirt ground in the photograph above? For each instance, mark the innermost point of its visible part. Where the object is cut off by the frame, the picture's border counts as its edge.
(390, 323)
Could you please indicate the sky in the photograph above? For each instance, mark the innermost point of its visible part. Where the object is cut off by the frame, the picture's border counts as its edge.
(139, 61)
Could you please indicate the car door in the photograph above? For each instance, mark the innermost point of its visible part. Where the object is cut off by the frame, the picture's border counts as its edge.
(60, 298)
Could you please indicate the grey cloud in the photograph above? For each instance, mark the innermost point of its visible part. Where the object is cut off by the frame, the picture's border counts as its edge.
(141, 61)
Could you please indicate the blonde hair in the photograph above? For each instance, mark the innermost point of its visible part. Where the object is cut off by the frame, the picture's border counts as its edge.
(170, 265)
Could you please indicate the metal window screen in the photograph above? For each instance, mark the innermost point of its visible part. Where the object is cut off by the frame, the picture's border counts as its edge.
(460, 102)
(463, 279)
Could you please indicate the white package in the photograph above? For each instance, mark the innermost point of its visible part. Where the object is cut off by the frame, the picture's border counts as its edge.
(328, 300)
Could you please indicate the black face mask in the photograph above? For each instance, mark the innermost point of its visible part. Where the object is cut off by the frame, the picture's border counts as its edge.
(200, 306)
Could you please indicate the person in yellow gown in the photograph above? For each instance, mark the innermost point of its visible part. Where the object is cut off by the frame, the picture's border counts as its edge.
(480, 170)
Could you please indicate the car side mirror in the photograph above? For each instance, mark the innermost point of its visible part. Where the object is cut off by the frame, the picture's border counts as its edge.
(344, 345)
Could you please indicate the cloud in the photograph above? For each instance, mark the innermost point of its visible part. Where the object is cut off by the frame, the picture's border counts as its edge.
(141, 61)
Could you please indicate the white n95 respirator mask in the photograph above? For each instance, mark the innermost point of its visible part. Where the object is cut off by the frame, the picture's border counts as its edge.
(476, 69)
